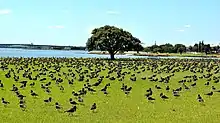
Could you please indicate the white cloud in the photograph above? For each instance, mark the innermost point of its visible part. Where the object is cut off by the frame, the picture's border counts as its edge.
(113, 12)
(181, 30)
(56, 27)
(187, 26)
(4, 11)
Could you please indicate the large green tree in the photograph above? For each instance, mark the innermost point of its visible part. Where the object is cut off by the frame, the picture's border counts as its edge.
(111, 39)
(137, 45)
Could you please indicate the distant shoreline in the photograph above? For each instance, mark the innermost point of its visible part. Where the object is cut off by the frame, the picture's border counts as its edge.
(41, 49)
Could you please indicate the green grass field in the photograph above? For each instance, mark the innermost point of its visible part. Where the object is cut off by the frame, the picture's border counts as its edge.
(116, 107)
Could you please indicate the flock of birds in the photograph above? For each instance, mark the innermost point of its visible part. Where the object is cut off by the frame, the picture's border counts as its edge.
(55, 71)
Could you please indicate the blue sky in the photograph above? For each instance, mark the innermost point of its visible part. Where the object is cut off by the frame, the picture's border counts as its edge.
(69, 22)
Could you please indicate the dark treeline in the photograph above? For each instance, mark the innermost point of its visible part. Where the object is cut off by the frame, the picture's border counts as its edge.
(42, 47)
(180, 48)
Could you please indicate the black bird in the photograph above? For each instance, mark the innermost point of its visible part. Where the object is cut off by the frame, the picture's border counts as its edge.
(186, 87)
(157, 87)
(48, 84)
(175, 93)
(23, 82)
(199, 98)
(151, 98)
(128, 90)
(14, 88)
(207, 83)
(93, 108)
(61, 88)
(97, 83)
(71, 110)
(209, 94)
(32, 84)
(149, 90)
(80, 99)
(104, 89)
(5, 102)
(213, 88)
(75, 94)
(72, 101)
(1, 85)
(108, 84)
(21, 102)
(123, 87)
(57, 106)
(42, 86)
(167, 88)
(148, 94)
(48, 90)
(17, 93)
(33, 94)
(105, 92)
(179, 89)
(23, 86)
(22, 105)
(194, 84)
(163, 96)
(91, 90)
(48, 100)
(21, 97)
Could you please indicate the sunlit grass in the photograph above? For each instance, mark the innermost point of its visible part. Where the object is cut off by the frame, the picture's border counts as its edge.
(116, 107)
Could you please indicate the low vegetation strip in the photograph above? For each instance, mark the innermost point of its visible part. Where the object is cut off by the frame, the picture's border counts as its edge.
(159, 54)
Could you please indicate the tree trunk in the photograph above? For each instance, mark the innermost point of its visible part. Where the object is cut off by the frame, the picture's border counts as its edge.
(112, 56)
(138, 51)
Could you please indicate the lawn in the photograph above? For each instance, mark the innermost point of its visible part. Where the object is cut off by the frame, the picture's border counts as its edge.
(116, 106)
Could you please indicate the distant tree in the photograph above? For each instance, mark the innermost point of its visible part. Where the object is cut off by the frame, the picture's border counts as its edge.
(180, 48)
(202, 46)
(199, 46)
(111, 39)
(147, 49)
(154, 46)
(157, 50)
(167, 48)
(137, 45)
(207, 48)
(190, 49)
(215, 48)
(195, 48)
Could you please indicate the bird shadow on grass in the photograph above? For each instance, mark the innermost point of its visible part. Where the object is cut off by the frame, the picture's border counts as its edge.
(151, 102)
(94, 112)
(107, 96)
(82, 104)
(73, 115)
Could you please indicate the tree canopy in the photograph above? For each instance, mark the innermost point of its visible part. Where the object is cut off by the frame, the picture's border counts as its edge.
(112, 39)
(137, 45)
